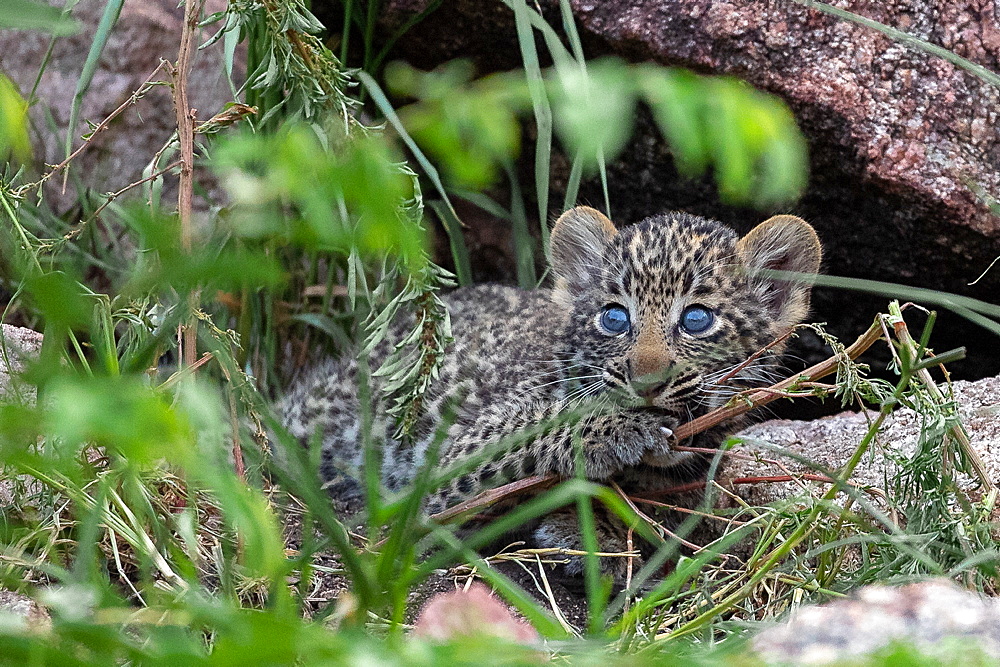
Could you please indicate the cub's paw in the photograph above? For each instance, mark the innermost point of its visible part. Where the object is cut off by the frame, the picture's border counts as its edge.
(345, 490)
(618, 441)
(657, 438)
(660, 452)
(561, 530)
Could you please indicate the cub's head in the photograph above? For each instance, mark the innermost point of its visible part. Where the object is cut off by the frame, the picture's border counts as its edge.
(666, 309)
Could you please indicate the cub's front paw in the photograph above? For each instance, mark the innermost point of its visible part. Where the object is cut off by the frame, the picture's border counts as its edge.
(621, 440)
(661, 453)
(561, 530)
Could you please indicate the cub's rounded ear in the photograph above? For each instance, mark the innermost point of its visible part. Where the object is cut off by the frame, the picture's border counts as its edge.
(576, 245)
(782, 243)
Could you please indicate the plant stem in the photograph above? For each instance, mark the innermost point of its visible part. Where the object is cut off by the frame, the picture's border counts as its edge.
(765, 396)
(803, 529)
(808, 524)
(956, 431)
(185, 195)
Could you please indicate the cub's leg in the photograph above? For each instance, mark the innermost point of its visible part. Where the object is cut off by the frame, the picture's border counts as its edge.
(541, 442)
(561, 529)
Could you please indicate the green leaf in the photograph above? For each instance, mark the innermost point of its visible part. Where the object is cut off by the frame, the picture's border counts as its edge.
(676, 96)
(120, 412)
(27, 15)
(62, 300)
(466, 127)
(749, 138)
(112, 10)
(13, 122)
(595, 109)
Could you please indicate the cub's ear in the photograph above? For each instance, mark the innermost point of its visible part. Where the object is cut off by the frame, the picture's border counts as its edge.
(782, 243)
(576, 245)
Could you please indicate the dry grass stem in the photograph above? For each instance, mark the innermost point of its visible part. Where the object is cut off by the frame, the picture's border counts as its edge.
(756, 355)
(956, 431)
(492, 496)
(188, 336)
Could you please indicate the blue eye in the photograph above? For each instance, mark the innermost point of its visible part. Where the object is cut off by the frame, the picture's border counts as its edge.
(696, 319)
(614, 319)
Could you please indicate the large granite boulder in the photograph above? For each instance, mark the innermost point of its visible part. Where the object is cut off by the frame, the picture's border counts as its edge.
(18, 346)
(827, 444)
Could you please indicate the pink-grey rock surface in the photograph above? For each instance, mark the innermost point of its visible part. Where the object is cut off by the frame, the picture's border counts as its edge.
(17, 347)
(21, 611)
(830, 442)
(937, 617)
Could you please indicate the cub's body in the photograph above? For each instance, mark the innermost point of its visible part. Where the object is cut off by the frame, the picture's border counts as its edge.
(643, 329)
(485, 364)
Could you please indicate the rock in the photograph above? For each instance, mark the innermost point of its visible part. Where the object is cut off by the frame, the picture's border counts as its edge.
(17, 346)
(24, 610)
(146, 33)
(472, 612)
(830, 442)
(900, 140)
(936, 617)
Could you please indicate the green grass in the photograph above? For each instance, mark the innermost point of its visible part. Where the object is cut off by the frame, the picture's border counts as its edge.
(130, 519)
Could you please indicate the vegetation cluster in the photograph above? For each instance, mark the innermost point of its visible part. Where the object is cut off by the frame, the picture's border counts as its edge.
(154, 506)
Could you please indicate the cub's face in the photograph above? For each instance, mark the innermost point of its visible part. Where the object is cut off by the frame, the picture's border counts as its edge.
(667, 311)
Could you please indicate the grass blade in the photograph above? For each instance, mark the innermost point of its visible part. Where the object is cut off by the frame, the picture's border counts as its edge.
(107, 23)
(969, 308)
(456, 241)
(542, 109)
(525, 257)
(382, 102)
(573, 183)
(546, 624)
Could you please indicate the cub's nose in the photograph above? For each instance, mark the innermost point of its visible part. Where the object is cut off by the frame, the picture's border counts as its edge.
(650, 364)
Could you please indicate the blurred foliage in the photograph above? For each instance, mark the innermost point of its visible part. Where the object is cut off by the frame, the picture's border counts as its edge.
(469, 130)
(352, 196)
(747, 138)
(29, 15)
(162, 262)
(14, 142)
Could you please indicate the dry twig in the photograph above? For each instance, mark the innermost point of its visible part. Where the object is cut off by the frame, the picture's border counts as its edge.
(112, 196)
(188, 335)
(103, 125)
(765, 396)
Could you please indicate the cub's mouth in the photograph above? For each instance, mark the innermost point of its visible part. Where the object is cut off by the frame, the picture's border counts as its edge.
(668, 416)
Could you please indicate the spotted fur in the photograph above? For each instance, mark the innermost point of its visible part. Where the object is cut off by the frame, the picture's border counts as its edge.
(522, 361)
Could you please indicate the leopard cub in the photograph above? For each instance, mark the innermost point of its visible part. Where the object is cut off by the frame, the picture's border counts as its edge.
(644, 328)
